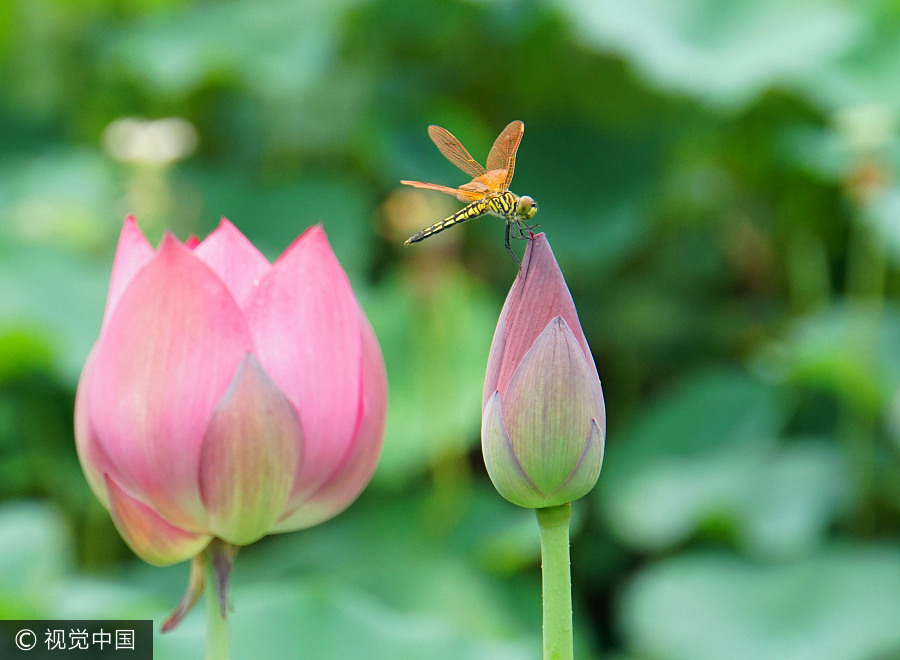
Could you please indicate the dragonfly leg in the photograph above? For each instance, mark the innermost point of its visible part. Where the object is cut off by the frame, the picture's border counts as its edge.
(509, 247)
(522, 226)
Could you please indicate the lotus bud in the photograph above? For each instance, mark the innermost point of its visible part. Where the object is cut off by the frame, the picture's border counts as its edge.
(543, 417)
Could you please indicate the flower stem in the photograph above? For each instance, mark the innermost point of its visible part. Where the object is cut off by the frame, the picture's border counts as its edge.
(556, 581)
(217, 625)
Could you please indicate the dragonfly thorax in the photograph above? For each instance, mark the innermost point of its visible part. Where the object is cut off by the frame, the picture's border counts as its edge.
(511, 207)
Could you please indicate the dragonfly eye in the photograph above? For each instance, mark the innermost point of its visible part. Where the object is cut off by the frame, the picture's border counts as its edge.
(526, 207)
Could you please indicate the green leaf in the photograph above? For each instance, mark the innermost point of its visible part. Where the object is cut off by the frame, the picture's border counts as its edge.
(59, 294)
(774, 502)
(705, 456)
(850, 350)
(34, 556)
(415, 572)
(279, 49)
(866, 73)
(724, 52)
(61, 198)
(23, 349)
(843, 603)
(325, 621)
(703, 411)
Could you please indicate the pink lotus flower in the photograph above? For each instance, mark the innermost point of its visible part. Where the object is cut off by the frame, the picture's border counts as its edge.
(543, 417)
(227, 397)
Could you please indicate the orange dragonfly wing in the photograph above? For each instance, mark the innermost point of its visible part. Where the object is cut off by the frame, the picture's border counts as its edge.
(454, 151)
(471, 192)
(503, 154)
(489, 182)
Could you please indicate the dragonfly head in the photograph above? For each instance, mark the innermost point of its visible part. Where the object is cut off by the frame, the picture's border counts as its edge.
(526, 207)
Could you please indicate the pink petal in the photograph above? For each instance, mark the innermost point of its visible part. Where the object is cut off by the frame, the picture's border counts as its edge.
(249, 456)
(538, 294)
(133, 252)
(306, 324)
(586, 471)
(161, 367)
(234, 259)
(94, 461)
(359, 463)
(500, 459)
(149, 535)
(551, 401)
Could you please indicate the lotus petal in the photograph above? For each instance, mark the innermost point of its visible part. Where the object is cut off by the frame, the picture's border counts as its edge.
(538, 294)
(249, 456)
(149, 535)
(503, 466)
(166, 358)
(356, 468)
(133, 252)
(549, 404)
(234, 259)
(306, 325)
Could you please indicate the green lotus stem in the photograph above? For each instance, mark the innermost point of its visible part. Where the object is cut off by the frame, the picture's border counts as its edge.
(216, 623)
(556, 580)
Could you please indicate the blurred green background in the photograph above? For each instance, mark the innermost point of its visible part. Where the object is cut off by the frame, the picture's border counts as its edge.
(718, 180)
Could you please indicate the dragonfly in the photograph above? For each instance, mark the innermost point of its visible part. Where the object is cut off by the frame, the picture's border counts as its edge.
(488, 192)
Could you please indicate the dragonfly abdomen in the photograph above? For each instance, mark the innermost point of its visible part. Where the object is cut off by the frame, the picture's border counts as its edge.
(473, 210)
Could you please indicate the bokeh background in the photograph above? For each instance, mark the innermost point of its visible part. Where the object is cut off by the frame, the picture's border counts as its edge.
(718, 179)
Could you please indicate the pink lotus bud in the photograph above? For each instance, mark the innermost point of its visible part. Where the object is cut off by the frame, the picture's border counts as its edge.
(544, 422)
(227, 397)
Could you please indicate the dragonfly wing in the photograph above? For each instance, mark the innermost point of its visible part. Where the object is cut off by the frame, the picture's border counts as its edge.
(489, 182)
(474, 190)
(470, 192)
(430, 186)
(454, 151)
(503, 153)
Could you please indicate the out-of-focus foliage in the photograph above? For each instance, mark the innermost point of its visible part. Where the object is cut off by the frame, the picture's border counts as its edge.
(719, 182)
